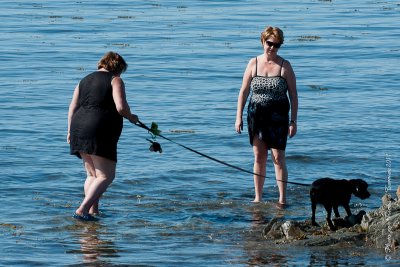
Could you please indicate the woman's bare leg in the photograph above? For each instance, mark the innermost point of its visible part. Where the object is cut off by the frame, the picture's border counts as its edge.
(260, 162)
(95, 187)
(281, 173)
(91, 176)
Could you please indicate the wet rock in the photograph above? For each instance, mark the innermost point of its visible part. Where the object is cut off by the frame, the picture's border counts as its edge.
(355, 219)
(337, 238)
(292, 231)
(386, 199)
(398, 193)
(383, 225)
(378, 228)
(349, 221)
(273, 230)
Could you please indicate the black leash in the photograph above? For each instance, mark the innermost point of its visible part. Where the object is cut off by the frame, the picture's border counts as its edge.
(140, 124)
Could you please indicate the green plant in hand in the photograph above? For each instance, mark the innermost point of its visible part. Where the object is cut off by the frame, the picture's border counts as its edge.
(154, 129)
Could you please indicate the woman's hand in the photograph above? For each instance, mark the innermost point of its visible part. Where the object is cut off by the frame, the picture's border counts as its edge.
(292, 129)
(133, 118)
(239, 125)
(68, 138)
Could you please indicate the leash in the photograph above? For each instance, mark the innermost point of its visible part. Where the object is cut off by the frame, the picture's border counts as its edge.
(157, 133)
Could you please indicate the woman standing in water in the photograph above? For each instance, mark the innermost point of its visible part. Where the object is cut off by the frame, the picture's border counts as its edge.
(269, 77)
(95, 121)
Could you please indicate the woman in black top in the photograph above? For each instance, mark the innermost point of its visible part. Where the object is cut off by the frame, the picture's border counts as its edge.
(95, 123)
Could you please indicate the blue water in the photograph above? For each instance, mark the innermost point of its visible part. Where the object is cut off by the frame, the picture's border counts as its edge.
(186, 60)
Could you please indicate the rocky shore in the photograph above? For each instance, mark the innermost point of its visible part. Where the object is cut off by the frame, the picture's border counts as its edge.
(378, 228)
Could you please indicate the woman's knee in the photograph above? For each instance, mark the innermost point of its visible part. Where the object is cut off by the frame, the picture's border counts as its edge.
(88, 164)
(260, 158)
(260, 154)
(278, 158)
(260, 151)
(104, 168)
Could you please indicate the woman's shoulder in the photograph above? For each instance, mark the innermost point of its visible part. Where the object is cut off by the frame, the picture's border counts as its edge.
(117, 82)
(287, 70)
(256, 58)
(88, 76)
(98, 76)
(253, 61)
(285, 62)
(97, 73)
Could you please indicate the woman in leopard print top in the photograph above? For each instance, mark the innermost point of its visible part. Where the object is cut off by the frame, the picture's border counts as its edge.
(270, 79)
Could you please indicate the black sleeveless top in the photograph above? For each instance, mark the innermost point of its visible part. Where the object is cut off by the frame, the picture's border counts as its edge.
(96, 125)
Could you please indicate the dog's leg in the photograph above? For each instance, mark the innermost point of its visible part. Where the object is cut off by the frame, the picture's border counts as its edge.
(328, 209)
(347, 208)
(336, 211)
(313, 208)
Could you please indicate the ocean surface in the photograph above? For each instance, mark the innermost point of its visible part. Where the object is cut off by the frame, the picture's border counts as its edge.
(186, 61)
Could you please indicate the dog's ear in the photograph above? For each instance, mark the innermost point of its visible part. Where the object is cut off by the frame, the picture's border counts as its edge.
(362, 183)
(358, 182)
(359, 188)
(355, 184)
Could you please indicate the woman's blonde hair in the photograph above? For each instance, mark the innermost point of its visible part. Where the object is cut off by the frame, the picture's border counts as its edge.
(113, 62)
(272, 31)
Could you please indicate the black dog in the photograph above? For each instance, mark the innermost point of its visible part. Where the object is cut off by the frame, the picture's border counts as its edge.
(332, 193)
